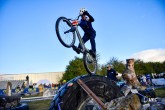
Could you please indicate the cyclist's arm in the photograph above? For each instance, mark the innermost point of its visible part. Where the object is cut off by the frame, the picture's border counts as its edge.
(82, 23)
(91, 19)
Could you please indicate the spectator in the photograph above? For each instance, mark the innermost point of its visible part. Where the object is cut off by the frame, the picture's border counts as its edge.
(27, 78)
(111, 73)
(143, 80)
(148, 79)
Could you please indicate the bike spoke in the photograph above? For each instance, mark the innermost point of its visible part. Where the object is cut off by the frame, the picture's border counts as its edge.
(68, 36)
(90, 63)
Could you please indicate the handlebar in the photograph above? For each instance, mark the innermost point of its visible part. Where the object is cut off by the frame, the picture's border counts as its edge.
(70, 30)
(75, 22)
(74, 19)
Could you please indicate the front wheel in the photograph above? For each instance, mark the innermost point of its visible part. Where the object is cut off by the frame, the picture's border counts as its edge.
(90, 63)
(62, 25)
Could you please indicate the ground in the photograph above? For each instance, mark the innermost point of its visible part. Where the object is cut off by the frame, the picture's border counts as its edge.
(160, 92)
(39, 105)
(44, 104)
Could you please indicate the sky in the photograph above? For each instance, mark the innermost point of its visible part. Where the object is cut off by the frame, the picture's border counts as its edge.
(124, 29)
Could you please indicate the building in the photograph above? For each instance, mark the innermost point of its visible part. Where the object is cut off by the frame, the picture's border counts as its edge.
(53, 77)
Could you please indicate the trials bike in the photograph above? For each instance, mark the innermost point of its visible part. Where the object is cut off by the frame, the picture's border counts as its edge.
(67, 30)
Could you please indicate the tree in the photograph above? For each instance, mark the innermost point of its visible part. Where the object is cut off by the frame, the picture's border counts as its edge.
(139, 67)
(102, 70)
(117, 64)
(163, 66)
(149, 67)
(75, 68)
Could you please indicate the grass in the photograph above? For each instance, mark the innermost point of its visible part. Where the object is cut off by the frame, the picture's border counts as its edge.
(160, 92)
(45, 104)
(39, 105)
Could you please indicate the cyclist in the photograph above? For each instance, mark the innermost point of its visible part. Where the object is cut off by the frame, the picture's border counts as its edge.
(89, 33)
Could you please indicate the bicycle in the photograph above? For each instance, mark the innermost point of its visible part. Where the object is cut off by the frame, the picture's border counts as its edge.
(67, 30)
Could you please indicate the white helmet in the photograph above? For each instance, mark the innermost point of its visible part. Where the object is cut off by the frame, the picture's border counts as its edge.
(82, 10)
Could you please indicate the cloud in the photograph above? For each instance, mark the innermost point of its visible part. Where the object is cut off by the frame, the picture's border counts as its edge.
(151, 55)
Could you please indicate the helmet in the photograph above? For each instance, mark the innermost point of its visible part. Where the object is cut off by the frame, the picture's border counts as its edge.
(82, 10)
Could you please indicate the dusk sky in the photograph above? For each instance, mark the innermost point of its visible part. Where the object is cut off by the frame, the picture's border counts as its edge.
(124, 29)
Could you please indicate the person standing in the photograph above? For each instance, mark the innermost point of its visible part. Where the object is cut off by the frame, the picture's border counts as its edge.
(27, 80)
(148, 79)
(144, 80)
(111, 73)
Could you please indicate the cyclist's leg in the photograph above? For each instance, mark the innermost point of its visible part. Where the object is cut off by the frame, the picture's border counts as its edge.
(78, 49)
(93, 44)
(85, 39)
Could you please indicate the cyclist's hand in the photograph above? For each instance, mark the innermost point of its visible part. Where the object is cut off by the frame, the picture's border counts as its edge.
(85, 13)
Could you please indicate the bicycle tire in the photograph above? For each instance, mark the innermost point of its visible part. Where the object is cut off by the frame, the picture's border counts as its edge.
(72, 97)
(90, 63)
(70, 37)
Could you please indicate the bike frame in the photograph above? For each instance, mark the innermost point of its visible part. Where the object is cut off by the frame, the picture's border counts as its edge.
(84, 49)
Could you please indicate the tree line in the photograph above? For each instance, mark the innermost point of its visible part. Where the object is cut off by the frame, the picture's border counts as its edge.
(76, 67)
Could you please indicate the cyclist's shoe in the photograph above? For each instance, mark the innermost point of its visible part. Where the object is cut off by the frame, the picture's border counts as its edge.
(76, 49)
(92, 53)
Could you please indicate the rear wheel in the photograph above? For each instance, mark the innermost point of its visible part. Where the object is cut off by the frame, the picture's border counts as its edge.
(63, 25)
(90, 63)
(72, 97)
